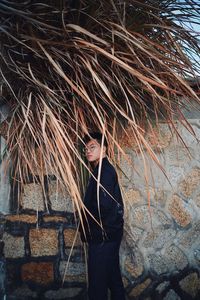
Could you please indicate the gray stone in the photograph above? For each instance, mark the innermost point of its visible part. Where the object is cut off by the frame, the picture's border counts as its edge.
(158, 196)
(32, 197)
(190, 237)
(72, 271)
(197, 254)
(2, 277)
(175, 174)
(13, 246)
(175, 258)
(144, 217)
(158, 238)
(63, 293)
(178, 156)
(162, 286)
(59, 197)
(171, 295)
(24, 292)
(158, 263)
(127, 169)
(132, 234)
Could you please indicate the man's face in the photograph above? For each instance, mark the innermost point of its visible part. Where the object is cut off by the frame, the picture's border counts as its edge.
(93, 151)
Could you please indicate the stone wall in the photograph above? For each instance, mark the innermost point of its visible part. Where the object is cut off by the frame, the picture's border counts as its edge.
(37, 247)
(160, 253)
(161, 247)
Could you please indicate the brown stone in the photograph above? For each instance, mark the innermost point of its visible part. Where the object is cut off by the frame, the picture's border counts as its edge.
(134, 265)
(54, 219)
(43, 242)
(38, 272)
(159, 137)
(41, 166)
(190, 284)
(133, 197)
(125, 282)
(69, 236)
(136, 291)
(179, 212)
(32, 197)
(22, 218)
(191, 182)
(14, 247)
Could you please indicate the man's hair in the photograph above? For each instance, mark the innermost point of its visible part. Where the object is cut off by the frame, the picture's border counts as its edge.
(95, 136)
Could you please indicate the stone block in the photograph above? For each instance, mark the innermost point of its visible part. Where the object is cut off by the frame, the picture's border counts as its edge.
(59, 198)
(69, 236)
(133, 197)
(32, 219)
(180, 211)
(175, 258)
(171, 295)
(190, 284)
(32, 197)
(133, 264)
(73, 272)
(190, 183)
(144, 217)
(43, 242)
(162, 286)
(158, 197)
(197, 200)
(54, 219)
(12, 273)
(132, 234)
(197, 254)
(159, 137)
(158, 263)
(158, 237)
(23, 292)
(178, 156)
(187, 239)
(175, 174)
(140, 288)
(14, 246)
(63, 293)
(41, 273)
(127, 169)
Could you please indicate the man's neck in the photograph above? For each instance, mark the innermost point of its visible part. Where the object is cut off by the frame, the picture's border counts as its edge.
(96, 162)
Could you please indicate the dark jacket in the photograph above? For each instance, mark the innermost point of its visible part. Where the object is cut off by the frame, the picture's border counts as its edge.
(110, 212)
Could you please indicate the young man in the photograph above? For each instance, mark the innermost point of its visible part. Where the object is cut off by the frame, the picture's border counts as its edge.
(103, 229)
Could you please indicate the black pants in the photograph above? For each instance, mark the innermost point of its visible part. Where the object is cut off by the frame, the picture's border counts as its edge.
(104, 271)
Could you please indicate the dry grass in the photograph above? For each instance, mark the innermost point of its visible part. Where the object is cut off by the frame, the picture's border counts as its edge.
(91, 65)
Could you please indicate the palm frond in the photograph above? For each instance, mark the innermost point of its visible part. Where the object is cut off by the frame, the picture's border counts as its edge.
(69, 67)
